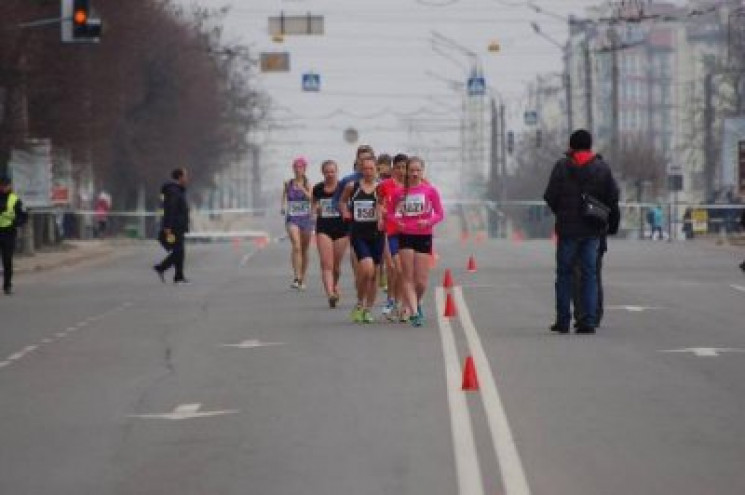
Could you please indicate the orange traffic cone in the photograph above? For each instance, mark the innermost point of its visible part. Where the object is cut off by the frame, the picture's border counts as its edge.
(471, 265)
(450, 307)
(447, 280)
(470, 380)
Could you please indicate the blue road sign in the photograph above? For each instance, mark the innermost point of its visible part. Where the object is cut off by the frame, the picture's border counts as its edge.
(476, 86)
(311, 82)
(531, 117)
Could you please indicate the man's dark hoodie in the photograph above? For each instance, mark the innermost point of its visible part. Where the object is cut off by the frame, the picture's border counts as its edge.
(175, 207)
(581, 171)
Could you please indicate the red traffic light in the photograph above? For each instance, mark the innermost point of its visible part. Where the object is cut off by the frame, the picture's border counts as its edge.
(80, 17)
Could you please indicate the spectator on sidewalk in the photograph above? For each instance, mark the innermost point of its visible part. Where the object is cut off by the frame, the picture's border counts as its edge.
(580, 184)
(12, 216)
(174, 226)
(657, 220)
(103, 207)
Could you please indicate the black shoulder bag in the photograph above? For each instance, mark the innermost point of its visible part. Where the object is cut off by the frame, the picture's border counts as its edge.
(592, 209)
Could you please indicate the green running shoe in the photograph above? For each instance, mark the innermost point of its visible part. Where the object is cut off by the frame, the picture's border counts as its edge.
(416, 320)
(367, 316)
(356, 314)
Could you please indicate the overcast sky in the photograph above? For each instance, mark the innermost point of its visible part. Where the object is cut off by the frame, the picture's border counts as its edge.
(378, 68)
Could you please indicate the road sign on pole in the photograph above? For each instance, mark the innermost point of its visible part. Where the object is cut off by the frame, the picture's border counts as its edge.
(311, 82)
(531, 117)
(476, 86)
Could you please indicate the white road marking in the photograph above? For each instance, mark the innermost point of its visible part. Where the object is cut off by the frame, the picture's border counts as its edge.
(71, 329)
(3, 364)
(61, 335)
(47, 341)
(16, 356)
(250, 344)
(705, 351)
(466, 456)
(634, 309)
(738, 287)
(185, 411)
(82, 324)
(513, 475)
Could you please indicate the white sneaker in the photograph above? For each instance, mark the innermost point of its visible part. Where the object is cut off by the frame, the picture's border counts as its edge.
(295, 284)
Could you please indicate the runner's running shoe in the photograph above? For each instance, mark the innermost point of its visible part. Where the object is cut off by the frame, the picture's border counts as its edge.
(367, 316)
(416, 320)
(356, 314)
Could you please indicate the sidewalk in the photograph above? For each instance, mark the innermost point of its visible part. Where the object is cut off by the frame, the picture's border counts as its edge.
(69, 253)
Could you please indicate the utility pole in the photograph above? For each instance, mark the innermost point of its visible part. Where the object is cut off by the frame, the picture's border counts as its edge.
(256, 199)
(615, 75)
(588, 82)
(709, 132)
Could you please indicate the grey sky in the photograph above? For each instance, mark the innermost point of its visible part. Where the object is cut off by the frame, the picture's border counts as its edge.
(377, 63)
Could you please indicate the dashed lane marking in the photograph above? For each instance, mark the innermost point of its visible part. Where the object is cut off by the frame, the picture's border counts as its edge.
(17, 356)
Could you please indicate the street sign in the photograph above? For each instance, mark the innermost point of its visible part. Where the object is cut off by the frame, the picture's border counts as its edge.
(530, 117)
(282, 24)
(675, 182)
(275, 62)
(311, 82)
(476, 86)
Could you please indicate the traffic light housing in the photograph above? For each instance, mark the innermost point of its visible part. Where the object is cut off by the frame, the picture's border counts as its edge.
(78, 24)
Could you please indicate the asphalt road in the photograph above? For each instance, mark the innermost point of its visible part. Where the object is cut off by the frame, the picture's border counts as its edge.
(114, 383)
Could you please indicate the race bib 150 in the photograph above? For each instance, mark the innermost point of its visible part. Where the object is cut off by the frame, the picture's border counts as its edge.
(364, 211)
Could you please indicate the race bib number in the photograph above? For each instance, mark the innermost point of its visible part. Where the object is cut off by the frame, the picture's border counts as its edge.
(298, 208)
(364, 211)
(328, 210)
(414, 205)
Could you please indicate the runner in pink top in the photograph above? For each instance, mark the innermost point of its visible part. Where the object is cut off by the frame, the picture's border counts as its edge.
(417, 210)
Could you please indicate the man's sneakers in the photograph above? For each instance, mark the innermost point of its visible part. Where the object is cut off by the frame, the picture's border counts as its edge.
(182, 281)
(160, 273)
(580, 329)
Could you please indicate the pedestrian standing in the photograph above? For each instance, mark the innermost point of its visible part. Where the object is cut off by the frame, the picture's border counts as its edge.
(12, 216)
(174, 226)
(417, 210)
(582, 194)
(296, 200)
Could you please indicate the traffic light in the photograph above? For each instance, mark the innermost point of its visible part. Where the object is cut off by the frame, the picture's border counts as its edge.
(78, 24)
(510, 142)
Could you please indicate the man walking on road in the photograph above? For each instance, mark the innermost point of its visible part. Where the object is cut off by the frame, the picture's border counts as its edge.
(174, 226)
(12, 216)
(583, 196)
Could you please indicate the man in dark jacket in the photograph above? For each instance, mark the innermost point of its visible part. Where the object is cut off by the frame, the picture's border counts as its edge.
(174, 226)
(12, 216)
(580, 174)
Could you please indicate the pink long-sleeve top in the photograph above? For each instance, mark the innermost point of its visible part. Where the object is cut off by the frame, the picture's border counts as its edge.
(414, 205)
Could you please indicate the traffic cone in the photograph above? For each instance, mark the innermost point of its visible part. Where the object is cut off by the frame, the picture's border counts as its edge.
(470, 380)
(450, 307)
(471, 265)
(447, 280)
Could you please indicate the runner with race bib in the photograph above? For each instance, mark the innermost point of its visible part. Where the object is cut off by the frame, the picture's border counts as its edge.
(417, 210)
(331, 231)
(359, 205)
(296, 209)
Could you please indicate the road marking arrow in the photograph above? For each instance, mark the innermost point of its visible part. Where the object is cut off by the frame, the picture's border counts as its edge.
(706, 351)
(250, 344)
(185, 411)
